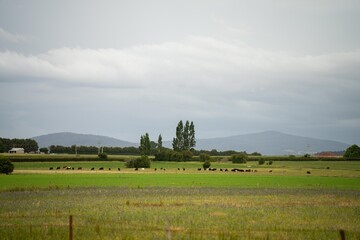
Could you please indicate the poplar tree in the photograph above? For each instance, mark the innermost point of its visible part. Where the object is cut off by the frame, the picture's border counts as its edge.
(145, 145)
(192, 141)
(185, 137)
(159, 143)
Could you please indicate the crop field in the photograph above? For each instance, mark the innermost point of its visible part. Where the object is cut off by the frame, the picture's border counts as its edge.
(278, 201)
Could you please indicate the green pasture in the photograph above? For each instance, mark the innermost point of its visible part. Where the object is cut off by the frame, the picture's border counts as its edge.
(180, 213)
(286, 203)
(140, 180)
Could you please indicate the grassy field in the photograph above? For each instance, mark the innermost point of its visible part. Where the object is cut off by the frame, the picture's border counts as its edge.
(287, 203)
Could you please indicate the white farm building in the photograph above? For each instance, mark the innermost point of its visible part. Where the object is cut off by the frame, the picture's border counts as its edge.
(17, 150)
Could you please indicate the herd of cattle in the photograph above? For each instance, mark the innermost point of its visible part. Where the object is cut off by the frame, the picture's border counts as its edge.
(164, 169)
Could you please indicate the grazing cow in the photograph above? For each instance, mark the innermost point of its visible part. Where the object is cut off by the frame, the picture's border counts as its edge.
(241, 170)
(220, 169)
(109, 169)
(164, 169)
(68, 168)
(58, 168)
(92, 168)
(270, 170)
(118, 169)
(155, 169)
(183, 169)
(226, 170)
(213, 169)
(199, 169)
(161, 168)
(247, 170)
(255, 170)
(51, 168)
(72, 168)
(308, 172)
(233, 169)
(101, 168)
(79, 168)
(178, 169)
(136, 169)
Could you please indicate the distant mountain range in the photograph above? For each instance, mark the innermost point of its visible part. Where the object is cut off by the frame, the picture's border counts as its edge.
(266, 143)
(69, 139)
(271, 143)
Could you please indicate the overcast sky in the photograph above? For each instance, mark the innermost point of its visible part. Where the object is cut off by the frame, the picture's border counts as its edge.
(123, 68)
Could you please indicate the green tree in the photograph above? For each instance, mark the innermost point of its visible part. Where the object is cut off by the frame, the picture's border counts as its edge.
(192, 141)
(141, 162)
(185, 137)
(159, 143)
(206, 164)
(178, 141)
(145, 145)
(44, 150)
(6, 165)
(239, 158)
(352, 152)
(204, 157)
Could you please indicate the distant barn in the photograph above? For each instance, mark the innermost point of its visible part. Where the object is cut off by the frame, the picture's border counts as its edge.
(17, 150)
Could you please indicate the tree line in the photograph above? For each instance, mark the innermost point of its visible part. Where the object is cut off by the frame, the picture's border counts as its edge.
(29, 145)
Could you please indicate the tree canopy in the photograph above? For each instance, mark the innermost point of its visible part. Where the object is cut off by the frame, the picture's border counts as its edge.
(185, 137)
(352, 152)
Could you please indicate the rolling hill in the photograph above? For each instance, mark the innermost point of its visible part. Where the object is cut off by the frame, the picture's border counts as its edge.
(271, 143)
(266, 143)
(69, 139)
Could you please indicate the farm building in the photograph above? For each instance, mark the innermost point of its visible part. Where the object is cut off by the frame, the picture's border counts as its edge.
(17, 150)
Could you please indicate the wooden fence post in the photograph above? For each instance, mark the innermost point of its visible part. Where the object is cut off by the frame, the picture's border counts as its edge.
(70, 227)
(342, 234)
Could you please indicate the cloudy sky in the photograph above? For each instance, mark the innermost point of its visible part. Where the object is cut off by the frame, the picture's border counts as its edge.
(123, 68)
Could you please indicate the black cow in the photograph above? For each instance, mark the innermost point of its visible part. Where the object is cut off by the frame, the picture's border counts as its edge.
(51, 168)
(136, 169)
(79, 168)
(101, 168)
(308, 172)
(155, 169)
(118, 169)
(199, 169)
(109, 169)
(183, 169)
(92, 168)
(58, 168)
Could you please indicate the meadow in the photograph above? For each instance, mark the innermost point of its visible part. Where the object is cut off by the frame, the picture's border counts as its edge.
(286, 203)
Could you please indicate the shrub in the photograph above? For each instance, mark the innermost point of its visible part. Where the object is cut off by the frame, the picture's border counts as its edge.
(239, 158)
(173, 156)
(261, 161)
(206, 164)
(102, 155)
(142, 162)
(6, 165)
(204, 157)
(270, 162)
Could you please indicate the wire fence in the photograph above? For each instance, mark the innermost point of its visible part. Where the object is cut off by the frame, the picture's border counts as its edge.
(63, 226)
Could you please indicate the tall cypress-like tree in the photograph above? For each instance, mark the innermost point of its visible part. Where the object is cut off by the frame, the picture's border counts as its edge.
(178, 141)
(185, 137)
(192, 141)
(145, 145)
(159, 143)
